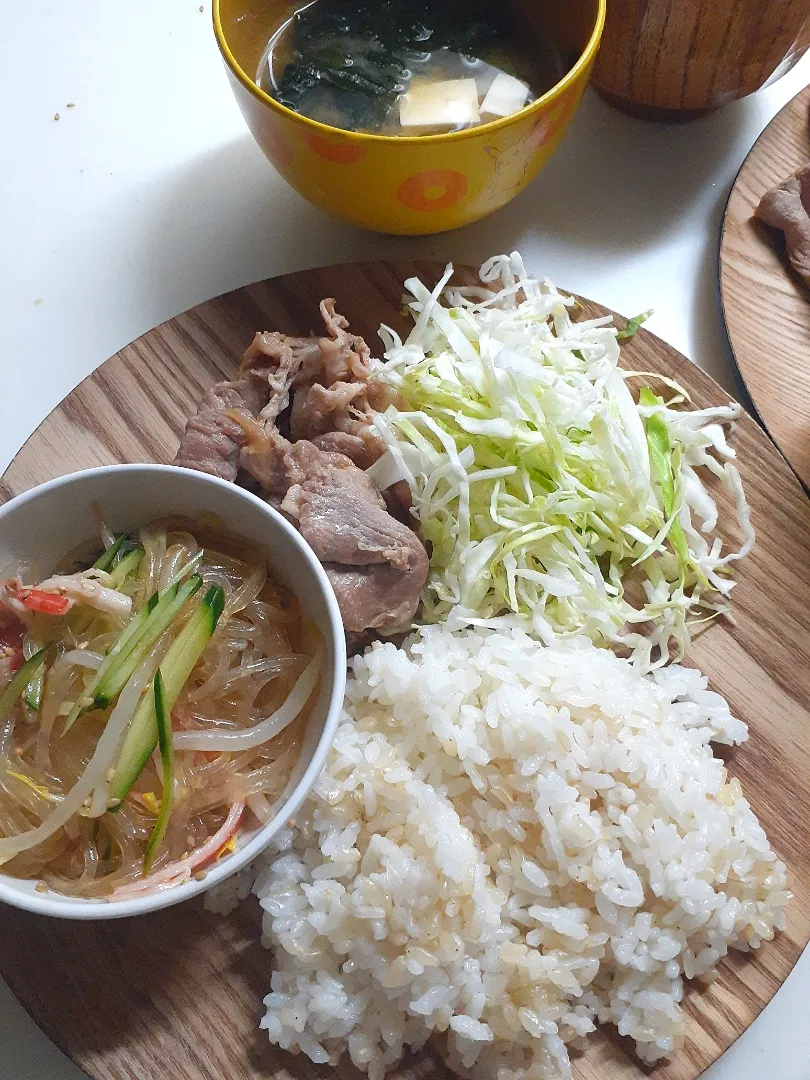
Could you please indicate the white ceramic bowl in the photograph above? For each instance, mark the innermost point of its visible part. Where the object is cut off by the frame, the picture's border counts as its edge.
(43, 524)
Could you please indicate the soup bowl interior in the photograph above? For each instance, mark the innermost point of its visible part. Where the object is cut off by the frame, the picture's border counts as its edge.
(418, 184)
(41, 526)
(248, 25)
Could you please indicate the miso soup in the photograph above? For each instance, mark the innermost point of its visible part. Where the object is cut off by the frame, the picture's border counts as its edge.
(407, 67)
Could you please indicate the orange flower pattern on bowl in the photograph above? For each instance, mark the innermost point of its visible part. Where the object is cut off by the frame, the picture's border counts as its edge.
(434, 189)
(338, 151)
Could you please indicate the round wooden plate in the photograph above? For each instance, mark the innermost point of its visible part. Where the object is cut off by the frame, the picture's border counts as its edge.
(179, 994)
(765, 303)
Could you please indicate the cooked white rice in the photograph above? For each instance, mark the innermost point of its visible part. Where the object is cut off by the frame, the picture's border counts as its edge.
(510, 844)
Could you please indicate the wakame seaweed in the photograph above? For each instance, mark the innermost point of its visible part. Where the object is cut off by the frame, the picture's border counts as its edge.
(361, 49)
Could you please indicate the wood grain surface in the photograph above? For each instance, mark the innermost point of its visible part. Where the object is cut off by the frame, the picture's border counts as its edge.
(667, 57)
(765, 303)
(179, 994)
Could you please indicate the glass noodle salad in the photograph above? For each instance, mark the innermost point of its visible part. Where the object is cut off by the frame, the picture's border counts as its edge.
(550, 496)
(152, 702)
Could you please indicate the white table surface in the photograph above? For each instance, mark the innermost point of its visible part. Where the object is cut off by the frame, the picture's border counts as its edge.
(149, 196)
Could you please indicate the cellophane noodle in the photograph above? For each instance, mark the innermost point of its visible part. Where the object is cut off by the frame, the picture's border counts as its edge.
(261, 647)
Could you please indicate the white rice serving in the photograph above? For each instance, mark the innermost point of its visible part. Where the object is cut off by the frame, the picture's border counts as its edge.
(510, 844)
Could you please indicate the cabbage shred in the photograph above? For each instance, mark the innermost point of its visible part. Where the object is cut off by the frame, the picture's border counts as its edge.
(550, 498)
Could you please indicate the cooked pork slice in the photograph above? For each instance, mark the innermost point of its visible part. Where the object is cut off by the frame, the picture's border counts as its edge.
(342, 516)
(341, 410)
(316, 478)
(304, 461)
(213, 438)
(276, 501)
(211, 444)
(346, 357)
(787, 207)
(317, 409)
(376, 597)
(279, 360)
(398, 499)
(286, 361)
(262, 456)
(361, 451)
(246, 395)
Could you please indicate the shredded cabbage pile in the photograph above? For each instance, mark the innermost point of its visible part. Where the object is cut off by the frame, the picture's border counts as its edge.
(549, 497)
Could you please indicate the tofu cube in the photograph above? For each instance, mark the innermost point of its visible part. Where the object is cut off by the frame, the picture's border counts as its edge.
(506, 95)
(448, 103)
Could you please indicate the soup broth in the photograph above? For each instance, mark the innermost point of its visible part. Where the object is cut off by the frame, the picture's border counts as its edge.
(406, 67)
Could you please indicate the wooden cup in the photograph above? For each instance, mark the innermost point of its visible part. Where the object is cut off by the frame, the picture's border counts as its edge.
(675, 59)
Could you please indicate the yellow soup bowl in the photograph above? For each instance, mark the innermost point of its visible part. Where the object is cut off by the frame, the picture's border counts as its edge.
(410, 185)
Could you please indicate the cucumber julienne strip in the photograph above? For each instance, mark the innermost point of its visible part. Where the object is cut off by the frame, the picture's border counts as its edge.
(134, 629)
(124, 568)
(112, 681)
(164, 729)
(20, 682)
(33, 692)
(107, 558)
(177, 665)
(133, 645)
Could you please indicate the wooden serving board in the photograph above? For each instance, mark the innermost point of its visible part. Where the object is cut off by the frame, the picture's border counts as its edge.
(179, 993)
(765, 303)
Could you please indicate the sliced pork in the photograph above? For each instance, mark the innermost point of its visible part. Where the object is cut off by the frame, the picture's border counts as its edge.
(214, 437)
(320, 391)
(376, 597)
(346, 357)
(787, 207)
(262, 457)
(317, 409)
(342, 513)
(377, 565)
(280, 360)
(363, 452)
